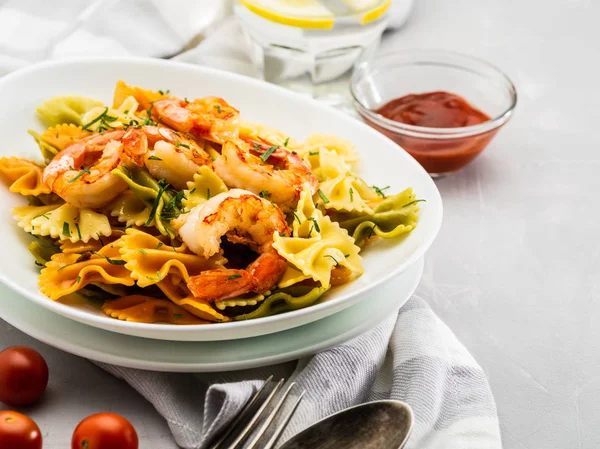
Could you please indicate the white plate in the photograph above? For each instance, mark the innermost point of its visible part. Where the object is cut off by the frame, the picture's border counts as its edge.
(383, 163)
(183, 356)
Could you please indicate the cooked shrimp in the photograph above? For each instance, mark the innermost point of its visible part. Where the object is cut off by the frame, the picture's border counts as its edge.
(81, 173)
(210, 118)
(244, 218)
(280, 178)
(165, 153)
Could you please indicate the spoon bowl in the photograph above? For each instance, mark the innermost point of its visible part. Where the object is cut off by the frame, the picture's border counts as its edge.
(375, 425)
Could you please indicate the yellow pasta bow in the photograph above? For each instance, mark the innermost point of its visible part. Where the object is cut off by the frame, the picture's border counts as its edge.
(64, 135)
(63, 222)
(394, 216)
(129, 209)
(66, 109)
(273, 136)
(344, 190)
(144, 309)
(151, 261)
(101, 118)
(66, 273)
(25, 176)
(180, 295)
(143, 97)
(317, 244)
(204, 186)
(317, 142)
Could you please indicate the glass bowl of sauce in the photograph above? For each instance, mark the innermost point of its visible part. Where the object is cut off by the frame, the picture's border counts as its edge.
(442, 107)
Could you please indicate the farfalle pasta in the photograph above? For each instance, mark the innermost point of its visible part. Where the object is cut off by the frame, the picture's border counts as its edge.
(63, 222)
(25, 177)
(65, 110)
(161, 209)
(317, 244)
(150, 260)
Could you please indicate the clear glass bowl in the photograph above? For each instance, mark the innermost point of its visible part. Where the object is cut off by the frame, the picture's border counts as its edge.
(439, 150)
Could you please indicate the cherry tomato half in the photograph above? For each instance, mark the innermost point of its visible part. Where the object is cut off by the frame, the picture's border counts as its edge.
(23, 376)
(18, 431)
(104, 431)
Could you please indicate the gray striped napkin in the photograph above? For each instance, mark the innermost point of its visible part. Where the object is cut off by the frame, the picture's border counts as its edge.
(412, 357)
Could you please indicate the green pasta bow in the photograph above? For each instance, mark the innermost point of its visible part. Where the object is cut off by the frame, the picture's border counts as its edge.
(392, 217)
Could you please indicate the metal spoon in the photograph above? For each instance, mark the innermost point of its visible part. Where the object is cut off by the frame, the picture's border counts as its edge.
(376, 425)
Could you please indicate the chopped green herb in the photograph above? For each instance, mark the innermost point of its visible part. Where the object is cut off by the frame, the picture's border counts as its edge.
(154, 158)
(207, 193)
(334, 259)
(313, 153)
(371, 231)
(100, 239)
(234, 276)
(379, 191)
(346, 255)
(351, 194)
(164, 92)
(159, 245)
(143, 251)
(264, 194)
(286, 142)
(78, 280)
(297, 218)
(310, 231)
(66, 230)
(42, 215)
(323, 196)
(111, 261)
(193, 190)
(177, 315)
(257, 147)
(157, 278)
(79, 175)
(97, 119)
(78, 230)
(413, 202)
(268, 153)
(186, 100)
(155, 205)
(314, 220)
(179, 144)
(38, 264)
(126, 111)
(218, 106)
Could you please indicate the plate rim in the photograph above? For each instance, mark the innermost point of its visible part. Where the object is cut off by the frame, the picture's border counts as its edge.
(344, 300)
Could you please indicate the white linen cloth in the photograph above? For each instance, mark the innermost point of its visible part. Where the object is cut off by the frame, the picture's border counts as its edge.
(412, 357)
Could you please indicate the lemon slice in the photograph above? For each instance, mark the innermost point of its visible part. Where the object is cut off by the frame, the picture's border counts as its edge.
(298, 13)
(317, 13)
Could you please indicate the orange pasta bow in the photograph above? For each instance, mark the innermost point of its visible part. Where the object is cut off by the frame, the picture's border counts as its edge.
(25, 176)
(66, 273)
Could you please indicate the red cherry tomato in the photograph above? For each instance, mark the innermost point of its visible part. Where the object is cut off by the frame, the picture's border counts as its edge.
(23, 376)
(104, 431)
(18, 431)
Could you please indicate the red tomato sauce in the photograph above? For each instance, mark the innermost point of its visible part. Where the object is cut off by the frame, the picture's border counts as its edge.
(437, 154)
(433, 110)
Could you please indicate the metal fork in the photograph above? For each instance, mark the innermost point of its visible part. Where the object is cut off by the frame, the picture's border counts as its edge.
(247, 420)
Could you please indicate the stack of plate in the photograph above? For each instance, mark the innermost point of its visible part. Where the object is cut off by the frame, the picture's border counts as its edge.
(392, 268)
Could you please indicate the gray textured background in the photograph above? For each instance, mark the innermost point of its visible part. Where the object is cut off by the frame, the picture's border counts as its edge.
(514, 271)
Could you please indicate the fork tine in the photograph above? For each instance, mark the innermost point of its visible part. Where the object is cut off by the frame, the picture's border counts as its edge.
(255, 418)
(241, 414)
(279, 430)
(269, 419)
